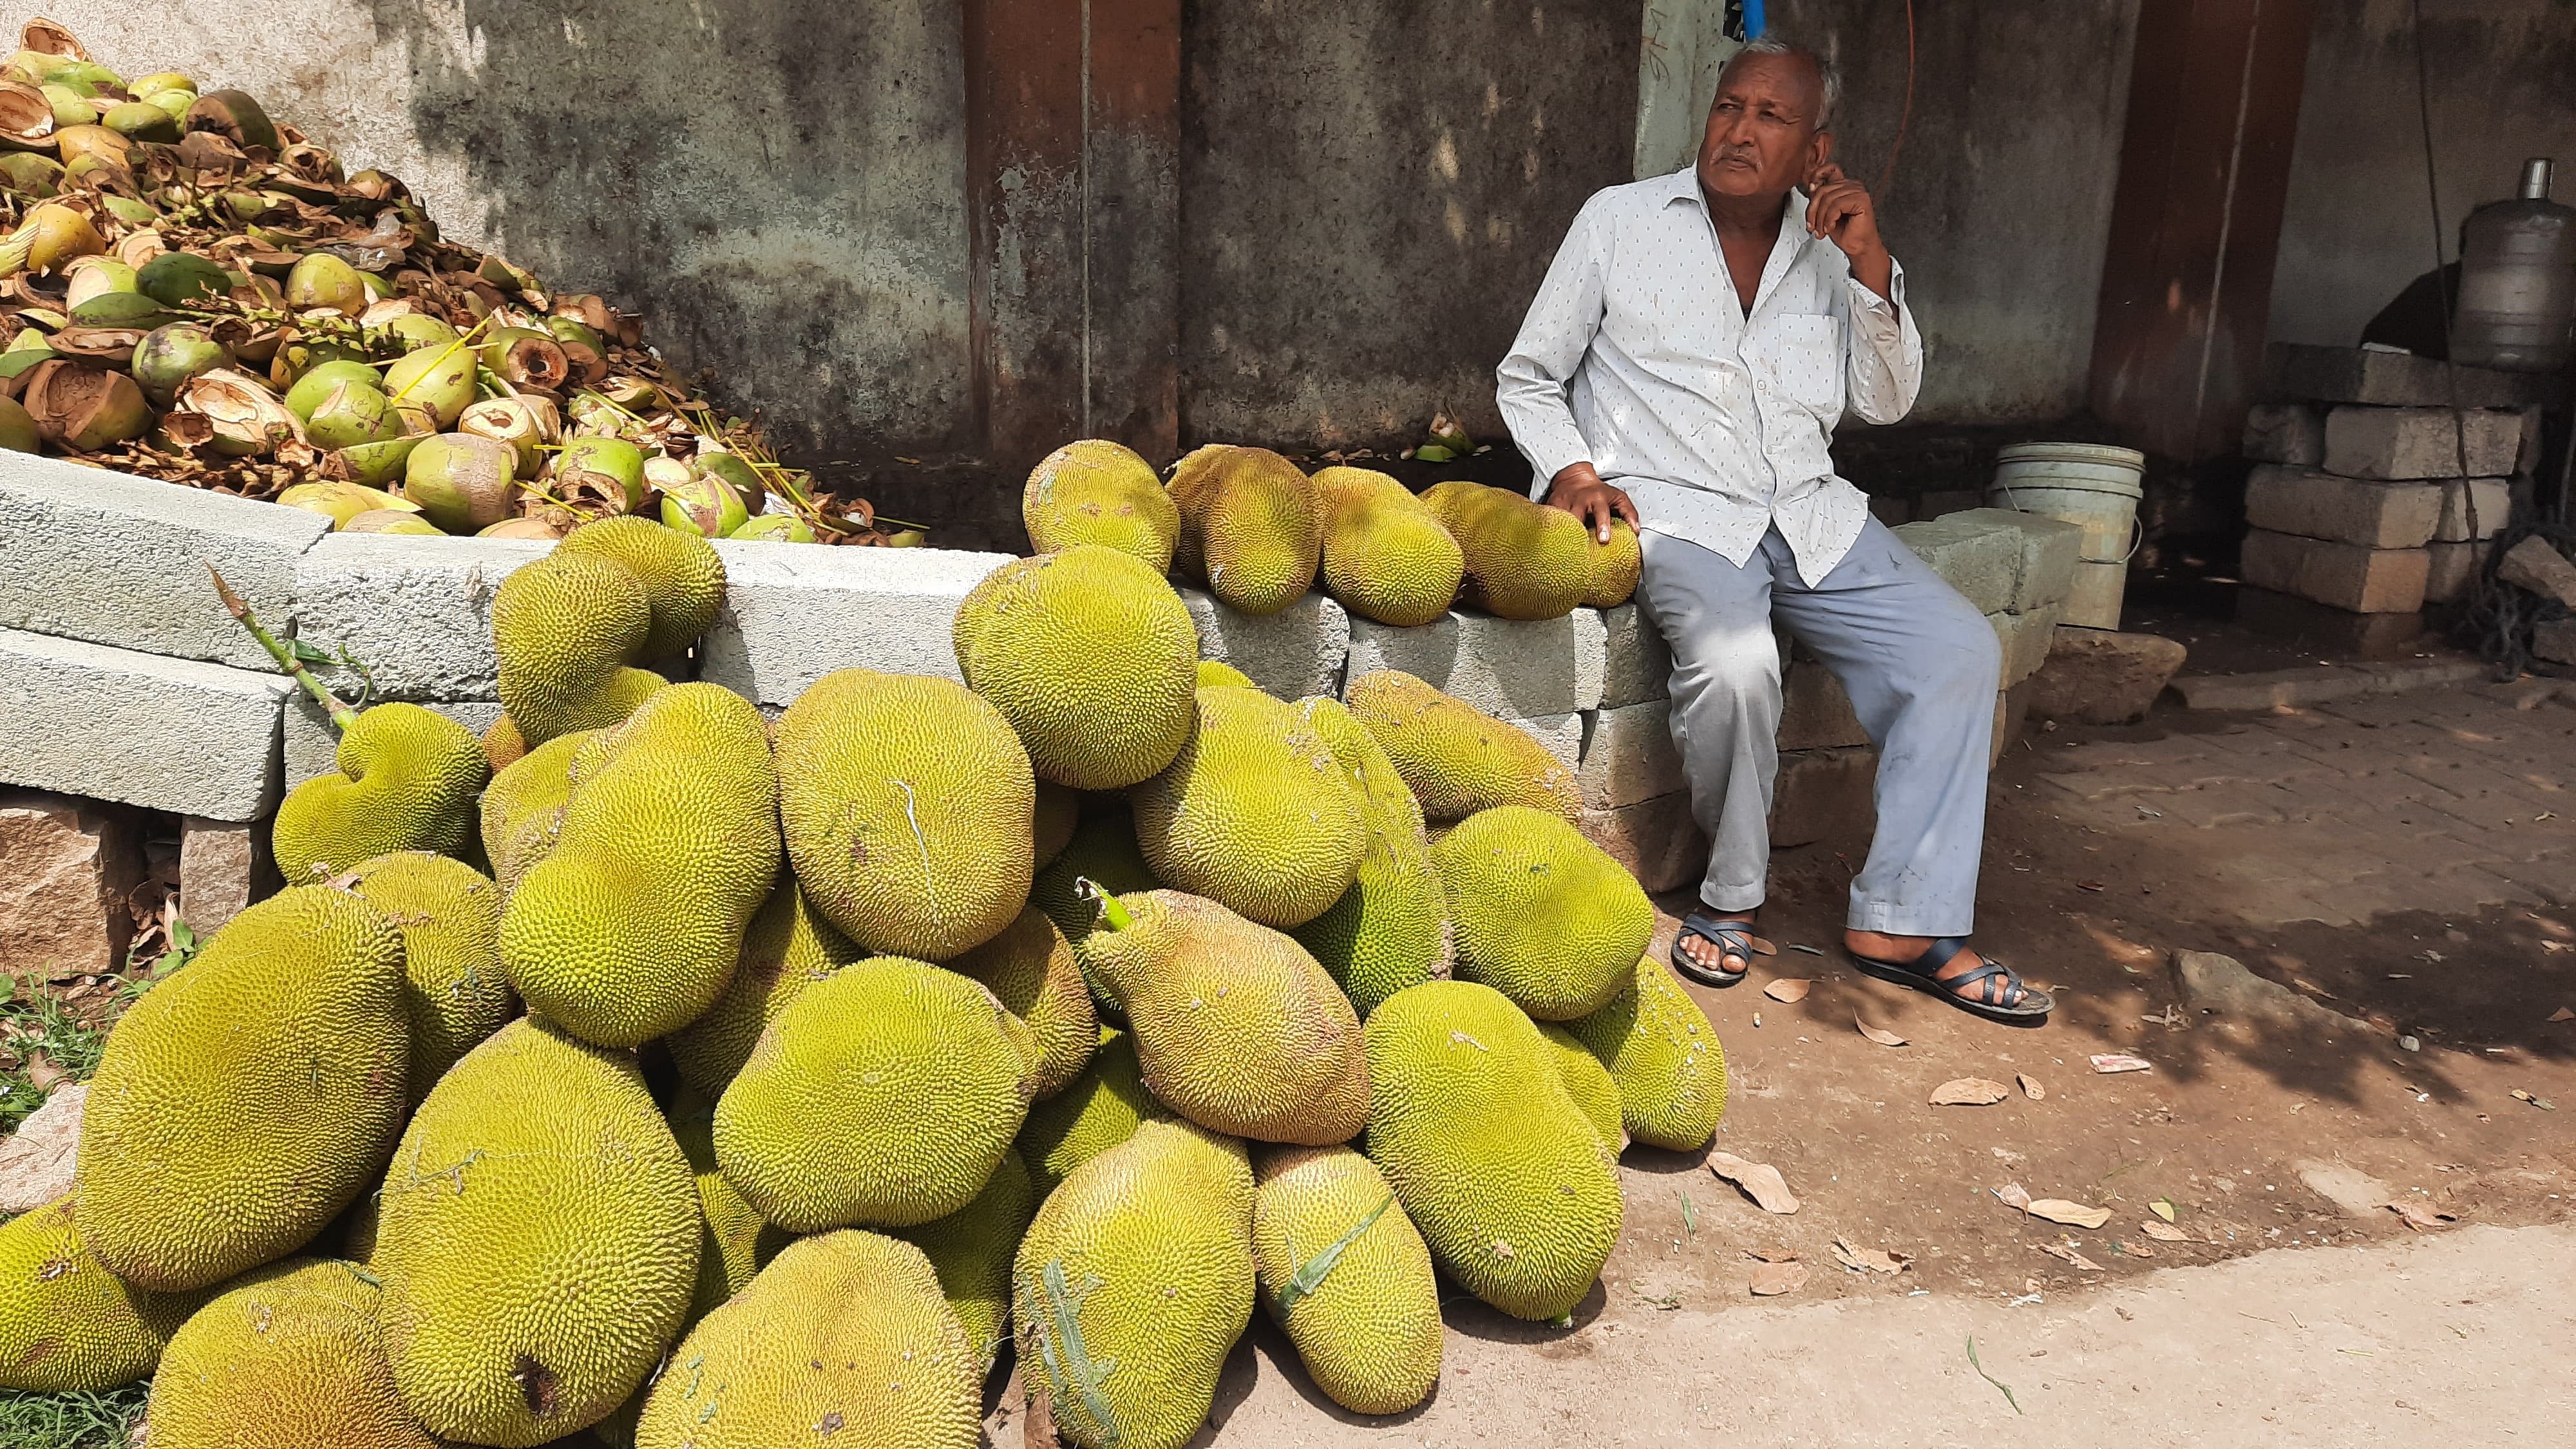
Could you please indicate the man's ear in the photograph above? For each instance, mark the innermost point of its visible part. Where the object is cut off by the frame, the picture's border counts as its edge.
(1820, 149)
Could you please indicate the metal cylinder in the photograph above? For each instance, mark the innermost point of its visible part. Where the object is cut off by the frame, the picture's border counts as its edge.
(2535, 179)
(2517, 303)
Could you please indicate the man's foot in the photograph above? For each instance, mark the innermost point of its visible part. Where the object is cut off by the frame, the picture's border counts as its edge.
(1715, 948)
(1947, 967)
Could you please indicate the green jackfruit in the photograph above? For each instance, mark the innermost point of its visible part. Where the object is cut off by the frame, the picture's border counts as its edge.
(631, 926)
(1103, 851)
(1543, 915)
(407, 781)
(1346, 1275)
(290, 1357)
(1252, 528)
(883, 1096)
(787, 947)
(1217, 674)
(1588, 1083)
(1099, 1111)
(538, 1241)
(1386, 556)
(1031, 970)
(971, 1251)
(734, 1240)
(842, 1331)
(1133, 1283)
(1091, 657)
(523, 807)
(454, 994)
(906, 803)
(1390, 930)
(242, 1103)
(1524, 560)
(1489, 1154)
(1236, 1026)
(1058, 811)
(571, 628)
(1100, 492)
(1665, 1057)
(1254, 814)
(1611, 571)
(683, 576)
(1458, 759)
(66, 1323)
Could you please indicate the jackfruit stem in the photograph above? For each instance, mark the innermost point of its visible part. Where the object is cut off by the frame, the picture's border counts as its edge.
(342, 716)
(1118, 917)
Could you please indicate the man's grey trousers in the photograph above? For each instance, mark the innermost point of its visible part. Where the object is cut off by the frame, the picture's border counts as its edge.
(1920, 664)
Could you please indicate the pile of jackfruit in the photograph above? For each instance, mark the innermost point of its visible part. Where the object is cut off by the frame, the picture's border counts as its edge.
(648, 1072)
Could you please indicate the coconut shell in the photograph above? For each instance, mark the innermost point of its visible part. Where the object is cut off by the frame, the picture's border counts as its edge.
(234, 116)
(85, 408)
(26, 115)
(247, 418)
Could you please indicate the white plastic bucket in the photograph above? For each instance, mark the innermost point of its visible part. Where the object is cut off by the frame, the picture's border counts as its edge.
(2091, 485)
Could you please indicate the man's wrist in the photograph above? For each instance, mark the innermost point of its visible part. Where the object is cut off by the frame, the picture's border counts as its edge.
(1875, 270)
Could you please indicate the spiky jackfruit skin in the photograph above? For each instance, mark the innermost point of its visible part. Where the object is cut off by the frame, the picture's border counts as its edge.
(1543, 915)
(1051, 823)
(538, 1240)
(1524, 560)
(1588, 1083)
(1390, 930)
(1367, 1328)
(523, 807)
(1237, 1028)
(842, 1332)
(290, 1357)
(1612, 568)
(454, 994)
(1492, 1159)
(242, 1103)
(1103, 851)
(66, 1323)
(565, 630)
(683, 576)
(1255, 813)
(970, 1250)
(1132, 1284)
(1217, 674)
(1100, 1110)
(1090, 656)
(1030, 968)
(1664, 1056)
(1457, 758)
(733, 1239)
(503, 745)
(881, 1096)
(787, 947)
(1100, 492)
(407, 781)
(906, 803)
(630, 927)
(1252, 526)
(1386, 556)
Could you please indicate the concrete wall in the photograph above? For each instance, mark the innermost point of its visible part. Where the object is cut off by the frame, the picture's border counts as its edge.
(2358, 227)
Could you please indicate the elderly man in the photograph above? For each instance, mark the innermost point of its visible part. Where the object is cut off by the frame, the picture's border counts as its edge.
(1696, 341)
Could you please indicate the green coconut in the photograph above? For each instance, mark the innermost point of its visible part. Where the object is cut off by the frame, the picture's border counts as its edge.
(176, 278)
(354, 414)
(418, 330)
(120, 309)
(234, 116)
(391, 520)
(141, 121)
(159, 81)
(438, 380)
(18, 431)
(377, 464)
(168, 357)
(704, 504)
(323, 280)
(617, 460)
(172, 103)
(340, 501)
(775, 527)
(326, 378)
(29, 174)
(462, 482)
(96, 276)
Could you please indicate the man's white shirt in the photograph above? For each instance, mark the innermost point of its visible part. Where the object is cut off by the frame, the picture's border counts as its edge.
(1638, 356)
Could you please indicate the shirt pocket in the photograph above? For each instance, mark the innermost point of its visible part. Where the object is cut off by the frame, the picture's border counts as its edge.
(1806, 355)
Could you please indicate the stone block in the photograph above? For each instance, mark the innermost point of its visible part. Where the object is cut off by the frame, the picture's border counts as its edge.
(416, 611)
(2555, 641)
(1510, 669)
(223, 867)
(38, 1161)
(2291, 433)
(90, 554)
(2364, 442)
(2534, 565)
(2312, 504)
(2399, 379)
(1980, 560)
(1628, 756)
(2311, 685)
(2102, 676)
(1657, 840)
(1636, 665)
(2526, 458)
(312, 747)
(2450, 567)
(180, 735)
(2050, 549)
(1561, 733)
(71, 863)
(2493, 498)
(2321, 629)
(1824, 795)
(2025, 640)
(1292, 654)
(1815, 713)
(2340, 575)
(795, 612)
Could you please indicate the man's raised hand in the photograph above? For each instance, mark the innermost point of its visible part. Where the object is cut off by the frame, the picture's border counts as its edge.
(1840, 210)
(1579, 490)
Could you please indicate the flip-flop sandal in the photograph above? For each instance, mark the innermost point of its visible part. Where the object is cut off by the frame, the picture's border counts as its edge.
(2027, 1004)
(1731, 938)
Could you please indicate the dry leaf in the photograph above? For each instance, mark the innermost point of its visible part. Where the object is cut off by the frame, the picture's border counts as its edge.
(2073, 1214)
(1770, 1280)
(2030, 1087)
(2420, 1218)
(42, 1074)
(1787, 989)
(2134, 1250)
(1880, 1035)
(1969, 1092)
(2067, 1252)
(2163, 1207)
(1762, 947)
(2088, 885)
(2012, 1196)
(2165, 1232)
(2542, 1103)
(2563, 1014)
(2121, 1062)
(1870, 1260)
(1760, 1181)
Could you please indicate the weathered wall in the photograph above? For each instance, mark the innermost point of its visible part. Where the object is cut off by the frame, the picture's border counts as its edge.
(2358, 228)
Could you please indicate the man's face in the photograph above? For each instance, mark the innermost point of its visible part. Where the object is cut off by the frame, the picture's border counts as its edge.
(1762, 137)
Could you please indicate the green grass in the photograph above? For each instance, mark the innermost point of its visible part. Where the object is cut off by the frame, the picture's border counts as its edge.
(41, 1024)
(70, 1421)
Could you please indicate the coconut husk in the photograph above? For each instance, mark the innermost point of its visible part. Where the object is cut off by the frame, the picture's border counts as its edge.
(236, 117)
(45, 37)
(26, 117)
(84, 408)
(211, 155)
(103, 345)
(534, 362)
(248, 421)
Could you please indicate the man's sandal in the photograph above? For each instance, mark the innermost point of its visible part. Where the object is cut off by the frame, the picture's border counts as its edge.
(1734, 941)
(1993, 990)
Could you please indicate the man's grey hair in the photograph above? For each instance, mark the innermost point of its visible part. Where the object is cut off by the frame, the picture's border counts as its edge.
(1828, 75)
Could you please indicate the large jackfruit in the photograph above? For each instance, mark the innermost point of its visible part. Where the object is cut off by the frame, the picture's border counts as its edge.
(842, 1332)
(1133, 1283)
(570, 629)
(1347, 1276)
(243, 1102)
(1236, 1026)
(787, 947)
(407, 780)
(883, 1096)
(1099, 1111)
(1543, 915)
(1524, 560)
(1103, 851)
(906, 803)
(971, 1251)
(1051, 823)
(1588, 1083)
(1255, 813)
(1665, 1057)
(454, 993)
(1097, 491)
(630, 927)
(1386, 556)
(1252, 527)
(290, 1357)
(1030, 968)
(523, 807)
(538, 1240)
(1090, 656)
(1490, 1156)
(1457, 758)
(1217, 674)
(734, 1240)
(1612, 568)
(1390, 930)
(66, 1323)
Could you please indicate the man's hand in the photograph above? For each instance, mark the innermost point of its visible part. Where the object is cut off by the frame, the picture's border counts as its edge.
(1579, 491)
(1839, 209)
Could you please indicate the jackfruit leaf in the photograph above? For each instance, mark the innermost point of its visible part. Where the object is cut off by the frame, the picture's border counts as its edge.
(1310, 1274)
(2073, 1214)
(1878, 1034)
(1787, 989)
(1760, 1181)
(1969, 1092)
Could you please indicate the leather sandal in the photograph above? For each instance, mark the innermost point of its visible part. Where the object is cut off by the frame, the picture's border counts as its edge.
(1993, 990)
(1734, 941)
